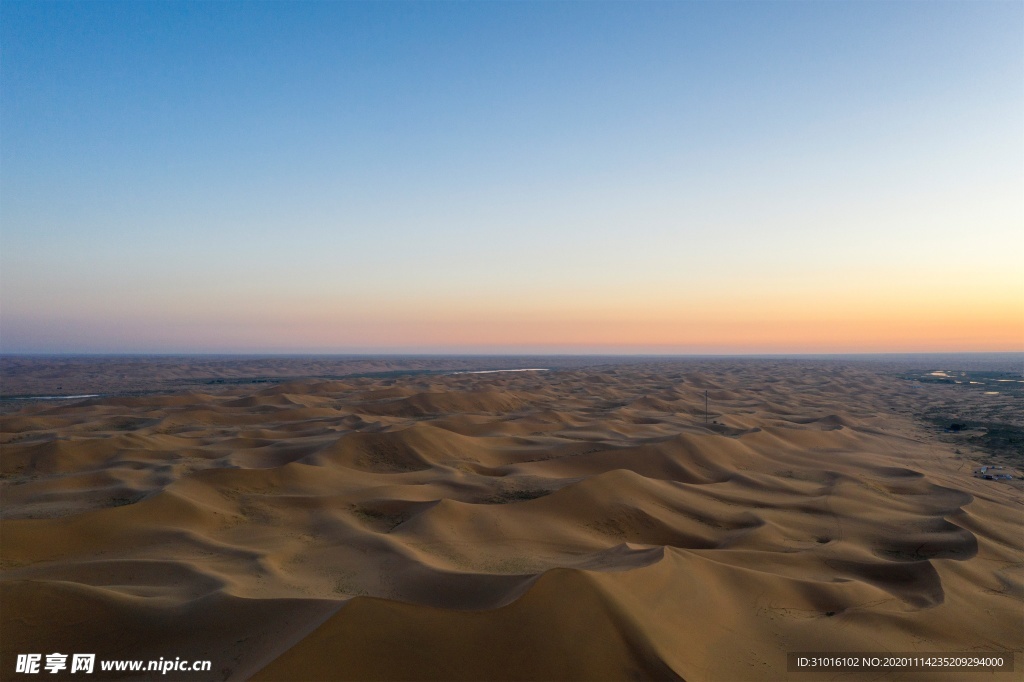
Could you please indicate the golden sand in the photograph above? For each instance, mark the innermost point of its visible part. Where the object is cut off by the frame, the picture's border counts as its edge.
(571, 524)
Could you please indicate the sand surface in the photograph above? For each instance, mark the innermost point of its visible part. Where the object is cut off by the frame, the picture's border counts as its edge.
(579, 523)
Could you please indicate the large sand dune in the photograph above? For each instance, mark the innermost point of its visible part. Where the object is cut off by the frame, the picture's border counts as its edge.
(571, 524)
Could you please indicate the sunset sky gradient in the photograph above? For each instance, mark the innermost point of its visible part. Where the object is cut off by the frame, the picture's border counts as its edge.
(512, 177)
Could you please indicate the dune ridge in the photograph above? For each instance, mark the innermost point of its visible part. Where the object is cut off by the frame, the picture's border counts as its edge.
(585, 523)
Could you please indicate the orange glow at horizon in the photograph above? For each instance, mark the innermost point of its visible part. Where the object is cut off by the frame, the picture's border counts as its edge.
(901, 310)
(834, 326)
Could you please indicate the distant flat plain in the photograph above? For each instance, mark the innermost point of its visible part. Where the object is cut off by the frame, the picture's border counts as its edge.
(356, 517)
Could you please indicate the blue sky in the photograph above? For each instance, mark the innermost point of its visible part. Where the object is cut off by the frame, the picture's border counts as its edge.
(509, 176)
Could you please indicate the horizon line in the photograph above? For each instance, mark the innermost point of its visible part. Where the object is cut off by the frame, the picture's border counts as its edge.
(4, 354)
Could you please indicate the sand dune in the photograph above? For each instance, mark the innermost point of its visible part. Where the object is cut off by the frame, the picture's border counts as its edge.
(573, 524)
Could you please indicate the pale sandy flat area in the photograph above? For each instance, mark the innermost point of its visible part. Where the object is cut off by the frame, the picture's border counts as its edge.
(588, 522)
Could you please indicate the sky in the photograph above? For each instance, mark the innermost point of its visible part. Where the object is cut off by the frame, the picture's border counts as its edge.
(529, 177)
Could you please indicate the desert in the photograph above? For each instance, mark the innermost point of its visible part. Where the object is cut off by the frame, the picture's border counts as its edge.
(496, 341)
(584, 520)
